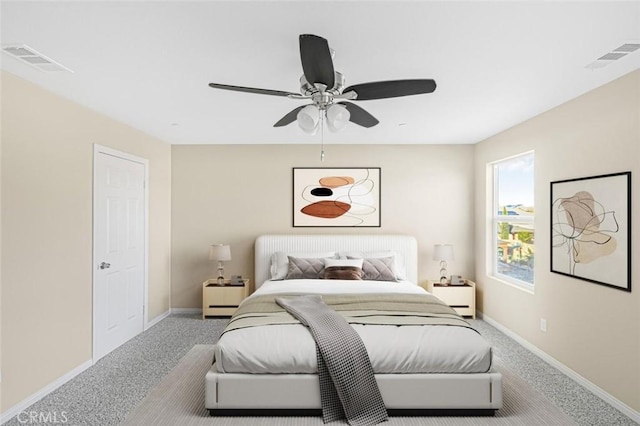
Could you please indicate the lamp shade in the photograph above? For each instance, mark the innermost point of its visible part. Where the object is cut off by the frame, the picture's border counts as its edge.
(308, 118)
(337, 116)
(220, 252)
(443, 252)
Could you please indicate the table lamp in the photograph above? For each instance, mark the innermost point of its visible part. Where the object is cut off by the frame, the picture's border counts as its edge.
(442, 253)
(221, 253)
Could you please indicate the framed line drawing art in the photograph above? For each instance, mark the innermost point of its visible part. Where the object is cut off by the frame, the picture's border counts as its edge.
(336, 197)
(591, 229)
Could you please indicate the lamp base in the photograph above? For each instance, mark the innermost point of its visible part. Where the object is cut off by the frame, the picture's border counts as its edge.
(443, 273)
(220, 274)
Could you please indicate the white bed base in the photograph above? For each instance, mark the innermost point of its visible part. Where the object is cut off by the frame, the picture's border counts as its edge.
(480, 393)
(238, 394)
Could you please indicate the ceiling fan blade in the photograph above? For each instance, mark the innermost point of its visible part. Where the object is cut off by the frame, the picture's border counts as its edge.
(252, 90)
(359, 116)
(317, 64)
(391, 89)
(289, 118)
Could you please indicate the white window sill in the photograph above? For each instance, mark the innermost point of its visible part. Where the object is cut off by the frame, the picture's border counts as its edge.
(528, 288)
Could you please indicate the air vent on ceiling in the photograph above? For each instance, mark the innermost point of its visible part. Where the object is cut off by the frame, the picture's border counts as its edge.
(614, 55)
(628, 47)
(32, 57)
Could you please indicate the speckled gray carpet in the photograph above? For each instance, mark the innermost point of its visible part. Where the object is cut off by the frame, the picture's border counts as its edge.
(178, 400)
(104, 394)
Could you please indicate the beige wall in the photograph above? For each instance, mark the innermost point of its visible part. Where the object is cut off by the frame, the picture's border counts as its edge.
(47, 172)
(592, 329)
(232, 194)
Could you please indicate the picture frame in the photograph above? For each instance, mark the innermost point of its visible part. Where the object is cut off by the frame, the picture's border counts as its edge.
(336, 197)
(591, 229)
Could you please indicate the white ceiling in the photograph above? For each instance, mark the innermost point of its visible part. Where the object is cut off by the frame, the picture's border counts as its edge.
(148, 63)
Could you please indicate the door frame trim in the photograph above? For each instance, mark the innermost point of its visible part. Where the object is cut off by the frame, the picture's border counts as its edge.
(100, 149)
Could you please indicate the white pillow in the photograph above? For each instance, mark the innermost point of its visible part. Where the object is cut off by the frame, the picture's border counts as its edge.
(343, 262)
(280, 261)
(399, 267)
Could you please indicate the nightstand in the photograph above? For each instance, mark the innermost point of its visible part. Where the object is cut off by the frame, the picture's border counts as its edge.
(462, 298)
(222, 300)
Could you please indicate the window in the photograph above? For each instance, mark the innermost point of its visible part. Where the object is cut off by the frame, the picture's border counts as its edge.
(513, 220)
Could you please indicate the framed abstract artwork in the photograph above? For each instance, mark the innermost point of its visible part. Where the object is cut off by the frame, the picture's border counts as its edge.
(591, 229)
(336, 197)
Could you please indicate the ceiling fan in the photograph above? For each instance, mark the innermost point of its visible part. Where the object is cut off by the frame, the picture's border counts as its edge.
(324, 86)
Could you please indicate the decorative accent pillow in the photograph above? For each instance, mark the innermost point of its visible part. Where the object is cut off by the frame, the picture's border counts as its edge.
(343, 273)
(280, 262)
(343, 262)
(379, 269)
(305, 269)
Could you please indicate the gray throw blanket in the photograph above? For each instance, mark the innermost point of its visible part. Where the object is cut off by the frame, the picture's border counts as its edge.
(348, 386)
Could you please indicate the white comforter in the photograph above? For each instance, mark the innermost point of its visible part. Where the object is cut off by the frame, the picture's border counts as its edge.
(290, 348)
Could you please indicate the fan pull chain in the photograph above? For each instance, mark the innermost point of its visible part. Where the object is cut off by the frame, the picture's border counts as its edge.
(321, 135)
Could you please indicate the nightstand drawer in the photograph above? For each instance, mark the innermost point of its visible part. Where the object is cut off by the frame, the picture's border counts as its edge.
(465, 312)
(220, 296)
(455, 296)
(462, 298)
(218, 312)
(222, 300)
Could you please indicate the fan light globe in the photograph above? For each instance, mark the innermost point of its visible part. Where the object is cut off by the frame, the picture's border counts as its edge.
(337, 116)
(308, 119)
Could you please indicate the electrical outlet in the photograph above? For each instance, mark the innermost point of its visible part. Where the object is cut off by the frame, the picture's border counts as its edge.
(543, 325)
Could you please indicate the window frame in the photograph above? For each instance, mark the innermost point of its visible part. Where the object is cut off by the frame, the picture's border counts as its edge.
(496, 218)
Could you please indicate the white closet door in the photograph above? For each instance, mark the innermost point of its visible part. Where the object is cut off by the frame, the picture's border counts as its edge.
(119, 252)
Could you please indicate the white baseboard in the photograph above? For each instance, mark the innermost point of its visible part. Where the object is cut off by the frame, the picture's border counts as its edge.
(186, 311)
(157, 319)
(598, 391)
(26, 403)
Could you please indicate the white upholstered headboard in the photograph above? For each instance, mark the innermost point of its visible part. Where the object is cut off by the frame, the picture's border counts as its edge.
(406, 246)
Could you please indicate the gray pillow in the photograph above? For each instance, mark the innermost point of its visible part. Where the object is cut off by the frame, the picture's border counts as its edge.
(378, 269)
(305, 269)
(280, 261)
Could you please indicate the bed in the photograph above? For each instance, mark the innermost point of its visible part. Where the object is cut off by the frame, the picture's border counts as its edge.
(433, 370)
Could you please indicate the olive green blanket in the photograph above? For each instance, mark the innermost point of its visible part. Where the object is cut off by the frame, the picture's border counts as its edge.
(373, 308)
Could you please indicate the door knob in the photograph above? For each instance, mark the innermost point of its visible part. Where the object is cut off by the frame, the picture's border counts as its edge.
(104, 265)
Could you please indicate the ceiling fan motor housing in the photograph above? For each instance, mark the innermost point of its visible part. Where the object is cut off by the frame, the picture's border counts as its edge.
(319, 94)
